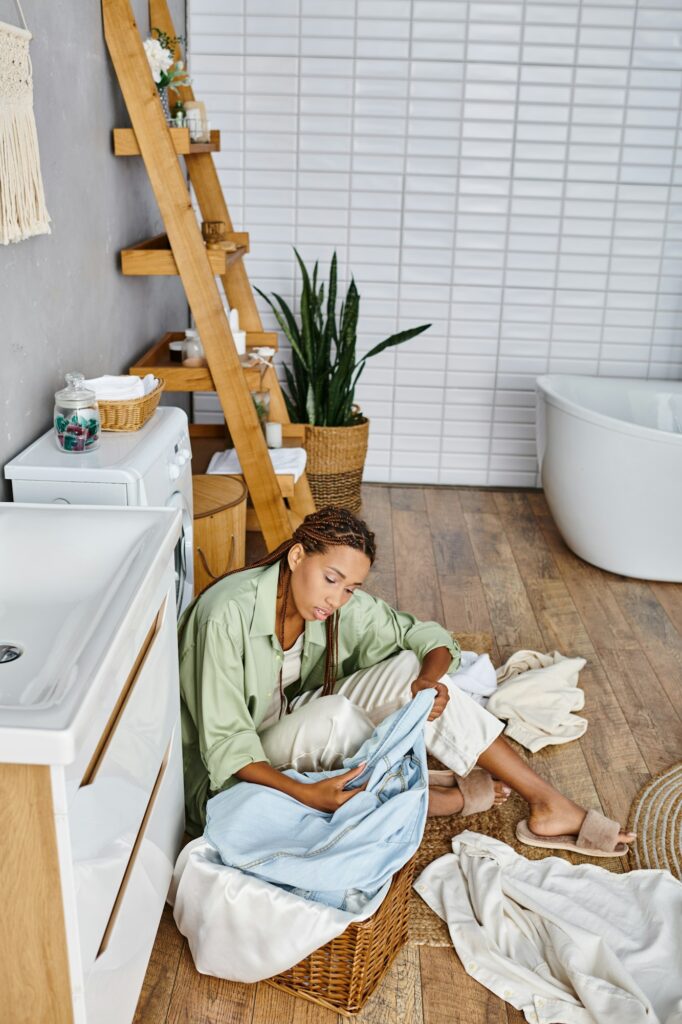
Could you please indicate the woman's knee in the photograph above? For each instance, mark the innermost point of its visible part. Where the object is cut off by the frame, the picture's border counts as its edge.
(323, 733)
(338, 708)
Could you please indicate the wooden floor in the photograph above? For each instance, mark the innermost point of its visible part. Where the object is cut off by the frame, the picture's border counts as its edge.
(481, 560)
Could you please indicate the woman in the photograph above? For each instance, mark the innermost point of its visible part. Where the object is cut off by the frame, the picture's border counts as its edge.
(289, 663)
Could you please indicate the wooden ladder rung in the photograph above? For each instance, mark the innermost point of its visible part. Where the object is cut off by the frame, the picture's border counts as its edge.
(153, 257)
(177, 377)
(126, 144)
(209, 438)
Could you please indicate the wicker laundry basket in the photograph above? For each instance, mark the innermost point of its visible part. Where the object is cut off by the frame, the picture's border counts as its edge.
(132, 413)
(342, 975)
(336, 459)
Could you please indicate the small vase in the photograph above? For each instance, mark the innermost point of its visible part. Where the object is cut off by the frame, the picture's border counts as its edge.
(163, 96)
(261, 400)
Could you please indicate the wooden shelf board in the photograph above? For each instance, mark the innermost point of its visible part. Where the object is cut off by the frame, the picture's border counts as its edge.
(153, 257)
(177, 377)
(261, 339)
(125, 142)
(293, 435)
(208, 438)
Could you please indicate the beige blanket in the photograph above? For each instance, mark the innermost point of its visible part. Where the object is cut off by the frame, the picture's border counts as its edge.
(537, 695)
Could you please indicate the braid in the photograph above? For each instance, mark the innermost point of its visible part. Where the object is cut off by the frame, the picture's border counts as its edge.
(329, 527)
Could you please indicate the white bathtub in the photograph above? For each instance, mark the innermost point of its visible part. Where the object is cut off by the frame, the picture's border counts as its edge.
(610, 453)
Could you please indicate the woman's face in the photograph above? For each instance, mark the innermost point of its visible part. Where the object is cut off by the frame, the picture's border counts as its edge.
(323, 582)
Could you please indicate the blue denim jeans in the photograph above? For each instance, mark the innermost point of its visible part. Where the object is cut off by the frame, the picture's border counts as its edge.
(341, 858)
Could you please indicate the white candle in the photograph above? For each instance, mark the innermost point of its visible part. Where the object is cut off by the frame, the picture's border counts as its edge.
(193, 121)
(238, 336)
(273, 434)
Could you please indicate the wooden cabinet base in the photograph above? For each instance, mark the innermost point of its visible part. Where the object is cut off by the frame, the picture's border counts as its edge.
(34, 968)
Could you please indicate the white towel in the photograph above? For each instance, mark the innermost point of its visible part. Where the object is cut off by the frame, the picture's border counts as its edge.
(285, 461)
(242, 928)
(537, 695)
(120, 389)
(475, 676)
(559, 941)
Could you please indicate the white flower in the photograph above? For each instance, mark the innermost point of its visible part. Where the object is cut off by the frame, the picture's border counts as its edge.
(159, 58)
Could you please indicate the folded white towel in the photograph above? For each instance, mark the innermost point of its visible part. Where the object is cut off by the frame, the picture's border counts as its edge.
(120, 389)
(284, 461)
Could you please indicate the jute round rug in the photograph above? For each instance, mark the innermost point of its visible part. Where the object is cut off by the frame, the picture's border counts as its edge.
(656, 817)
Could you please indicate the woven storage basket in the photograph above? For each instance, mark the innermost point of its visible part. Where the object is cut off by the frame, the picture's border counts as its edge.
(130, 414)
(343, 974)
(336, 459)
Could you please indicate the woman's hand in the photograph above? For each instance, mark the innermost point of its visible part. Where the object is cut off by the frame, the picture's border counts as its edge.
(329, 794)
(442, 695)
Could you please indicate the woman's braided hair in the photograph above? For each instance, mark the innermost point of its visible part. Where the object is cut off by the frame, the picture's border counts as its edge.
(329, 527)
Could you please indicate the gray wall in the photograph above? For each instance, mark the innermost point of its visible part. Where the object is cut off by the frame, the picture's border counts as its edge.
(63, 302)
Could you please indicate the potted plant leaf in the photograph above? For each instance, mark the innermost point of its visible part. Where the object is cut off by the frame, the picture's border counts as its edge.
(322, 380)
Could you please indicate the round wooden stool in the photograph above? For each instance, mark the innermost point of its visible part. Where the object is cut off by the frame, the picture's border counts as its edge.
(219, 527)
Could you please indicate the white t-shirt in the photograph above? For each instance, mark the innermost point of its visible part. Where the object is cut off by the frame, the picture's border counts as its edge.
(291, 671)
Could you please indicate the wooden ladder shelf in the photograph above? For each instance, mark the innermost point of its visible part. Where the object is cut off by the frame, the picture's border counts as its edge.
(181, 251)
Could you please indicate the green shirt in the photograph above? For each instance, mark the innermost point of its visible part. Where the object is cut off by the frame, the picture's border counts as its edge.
(230, 660)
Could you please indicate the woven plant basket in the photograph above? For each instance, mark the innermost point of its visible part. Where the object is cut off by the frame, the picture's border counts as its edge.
(342, 975)
(130, 414)
(336, 459)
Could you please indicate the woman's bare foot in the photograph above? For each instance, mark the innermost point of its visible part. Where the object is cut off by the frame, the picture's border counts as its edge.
(449, 800)
(551, 813)
(562, 817)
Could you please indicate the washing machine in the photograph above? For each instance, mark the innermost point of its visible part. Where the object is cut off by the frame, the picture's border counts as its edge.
(150, 467)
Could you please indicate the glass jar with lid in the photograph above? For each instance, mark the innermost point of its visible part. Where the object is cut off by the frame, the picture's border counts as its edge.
(193, 348)
(76, 416)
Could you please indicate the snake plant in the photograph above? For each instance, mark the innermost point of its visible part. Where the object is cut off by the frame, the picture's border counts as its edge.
(321, 383)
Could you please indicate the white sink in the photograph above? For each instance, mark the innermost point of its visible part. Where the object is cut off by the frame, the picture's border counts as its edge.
(69, 575)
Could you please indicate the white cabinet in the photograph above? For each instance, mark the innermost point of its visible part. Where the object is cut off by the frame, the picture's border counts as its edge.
(116, 818)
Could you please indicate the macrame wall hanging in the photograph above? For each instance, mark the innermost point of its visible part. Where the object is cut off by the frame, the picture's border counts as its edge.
(22, 203)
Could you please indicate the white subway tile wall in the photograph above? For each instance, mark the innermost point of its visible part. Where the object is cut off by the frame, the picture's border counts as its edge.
(509, 171)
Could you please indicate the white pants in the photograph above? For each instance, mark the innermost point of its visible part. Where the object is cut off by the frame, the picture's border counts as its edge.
(321, 731)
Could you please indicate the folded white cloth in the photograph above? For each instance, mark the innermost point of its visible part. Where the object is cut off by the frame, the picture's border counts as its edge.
(537, 695)
(475, 676)
(524, 661)
(242, 928)
(149, 383)
(120, 389)
(285, 461)
(575, 944)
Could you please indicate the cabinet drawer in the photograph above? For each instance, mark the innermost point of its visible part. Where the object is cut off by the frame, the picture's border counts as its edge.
(114, 980)
(106, 811)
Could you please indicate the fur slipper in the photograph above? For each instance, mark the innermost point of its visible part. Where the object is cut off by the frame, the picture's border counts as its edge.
(597, 838)
(477, 788)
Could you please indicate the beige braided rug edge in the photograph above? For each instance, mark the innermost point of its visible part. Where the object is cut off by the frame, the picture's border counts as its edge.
(656, 818)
